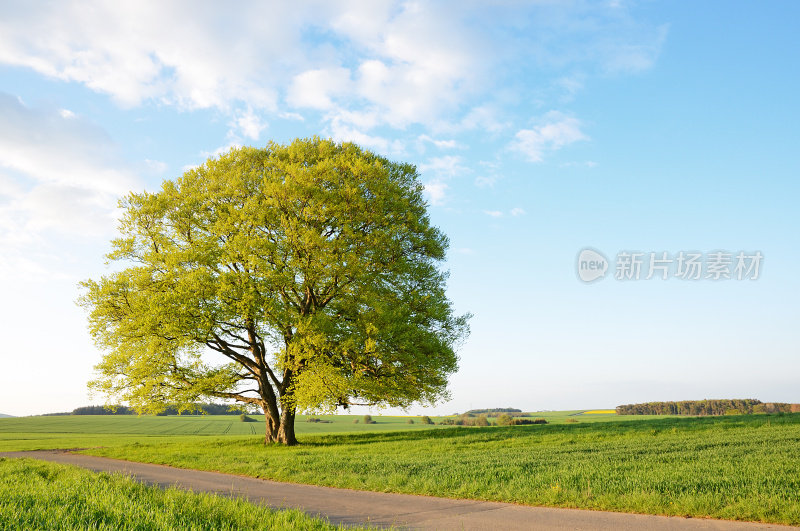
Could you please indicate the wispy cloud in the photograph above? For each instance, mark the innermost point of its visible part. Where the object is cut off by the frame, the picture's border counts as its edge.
(441, 144)
(60, 176)
(555, 131)
(435, 191)
(435, 65)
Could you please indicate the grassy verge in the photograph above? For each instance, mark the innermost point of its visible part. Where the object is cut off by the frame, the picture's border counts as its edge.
(739, 468)
(39, 495)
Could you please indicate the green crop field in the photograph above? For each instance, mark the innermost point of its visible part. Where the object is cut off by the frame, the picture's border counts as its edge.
(36, 433)
(734, 467)
(39, 495)
(68, 431)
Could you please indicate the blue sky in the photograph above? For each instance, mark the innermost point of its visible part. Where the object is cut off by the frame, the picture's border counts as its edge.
(538, 128)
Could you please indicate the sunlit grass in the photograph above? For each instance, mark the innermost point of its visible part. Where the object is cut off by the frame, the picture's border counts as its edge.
(39, 495)
(744, 467)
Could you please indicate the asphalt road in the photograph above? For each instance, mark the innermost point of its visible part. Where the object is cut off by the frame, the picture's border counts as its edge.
(345, 506)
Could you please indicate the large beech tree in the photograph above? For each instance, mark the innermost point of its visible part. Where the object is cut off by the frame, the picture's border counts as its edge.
(295, 277)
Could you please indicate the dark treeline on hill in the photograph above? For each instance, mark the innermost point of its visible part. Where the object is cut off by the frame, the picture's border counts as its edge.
(208, 409)
(495, 412)
(707, 407)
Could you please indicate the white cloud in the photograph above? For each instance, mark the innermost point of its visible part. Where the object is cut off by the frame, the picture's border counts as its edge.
(177, 52)
(363, 64)
(446, 167)
(483, 117)
(517, 211)
(291, 116)
(50, 149)
(441, 144)
(410, 62)
(317, 89)
(556, 131)
(493, 213)
(436, 191)
(60, 179)
(341, 132)
(440, 170)
(247, 123)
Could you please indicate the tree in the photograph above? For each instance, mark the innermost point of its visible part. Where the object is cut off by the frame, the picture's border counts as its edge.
(294, 277)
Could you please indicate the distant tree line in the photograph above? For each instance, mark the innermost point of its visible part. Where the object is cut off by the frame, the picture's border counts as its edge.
(208, 409)
(494, 412)
(707, 407)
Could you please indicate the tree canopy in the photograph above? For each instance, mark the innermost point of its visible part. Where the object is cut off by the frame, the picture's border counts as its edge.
(294, 277)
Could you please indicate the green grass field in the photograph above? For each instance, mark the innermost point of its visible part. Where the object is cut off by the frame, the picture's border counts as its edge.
(39, 495)
(41, 433)
(735, 467)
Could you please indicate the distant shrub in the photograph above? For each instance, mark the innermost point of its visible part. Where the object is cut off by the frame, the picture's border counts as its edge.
(245, 418)
(571, 420)
(316, 419)
(410, 421)
(481, 421)
(426, 420)
(368, 420)
(355, 421)
(504, 420)
(447, 422)
(522, 422)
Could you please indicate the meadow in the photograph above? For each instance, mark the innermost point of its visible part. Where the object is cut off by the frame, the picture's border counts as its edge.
(744, 467)
(39, 495)
(68, 431)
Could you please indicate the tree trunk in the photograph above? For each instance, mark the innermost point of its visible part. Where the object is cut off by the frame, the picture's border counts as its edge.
(272, 418)
(286, 429)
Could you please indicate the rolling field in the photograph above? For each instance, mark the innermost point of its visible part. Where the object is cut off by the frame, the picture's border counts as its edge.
(741, 468)
(734, 467)
(41, 433)
(68, 431)
(39, 495)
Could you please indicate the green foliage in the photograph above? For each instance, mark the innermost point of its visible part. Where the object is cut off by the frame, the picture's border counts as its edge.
(410, 421)
(523, 422)
(504, 420)
(736, 467)
(493, 412)
(368, 420)
(481, 420)
(705, 407)
(426, 420)
(39, 495)
(310, 269)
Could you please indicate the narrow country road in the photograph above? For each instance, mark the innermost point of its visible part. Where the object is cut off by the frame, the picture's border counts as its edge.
(344, 506)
